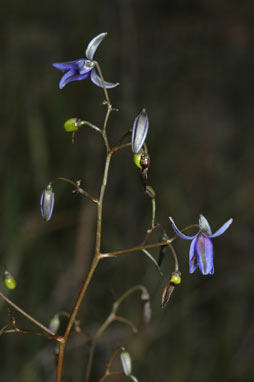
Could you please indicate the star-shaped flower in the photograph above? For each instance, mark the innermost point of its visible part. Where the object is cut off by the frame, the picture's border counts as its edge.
(201, 249)
(83, 68)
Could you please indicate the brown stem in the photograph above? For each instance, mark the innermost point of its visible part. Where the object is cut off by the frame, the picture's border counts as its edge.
(49, 332)
(78, 188)
(86, 283)
(175, 256)
(111, 317)
(104, 326)
(138, 248)
(147, 246)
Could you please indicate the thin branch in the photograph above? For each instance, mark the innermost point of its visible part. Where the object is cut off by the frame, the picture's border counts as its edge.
(78, 188)
(148, 254)
(174, 256)
(94, 265)
(111, 317)
(103, 83)
(49, 332)
(82, 123)
(127, 322)
(24, 331)
(147, 246)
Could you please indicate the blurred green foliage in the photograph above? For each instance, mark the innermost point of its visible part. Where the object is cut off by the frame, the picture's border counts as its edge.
(190, 64)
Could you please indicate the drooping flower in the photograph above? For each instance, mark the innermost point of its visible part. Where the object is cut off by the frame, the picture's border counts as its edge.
(201, 249)
(83, 68)
(139, 131)
(47, 202)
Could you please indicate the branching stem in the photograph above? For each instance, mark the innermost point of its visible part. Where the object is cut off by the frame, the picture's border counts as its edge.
(44, 328)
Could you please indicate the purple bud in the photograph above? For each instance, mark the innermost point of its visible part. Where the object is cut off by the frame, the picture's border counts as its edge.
(139, 131)
(47, 202)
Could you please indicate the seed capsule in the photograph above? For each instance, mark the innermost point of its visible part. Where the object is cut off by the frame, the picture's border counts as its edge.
(47, 202)
(9, 280)
(174, 281)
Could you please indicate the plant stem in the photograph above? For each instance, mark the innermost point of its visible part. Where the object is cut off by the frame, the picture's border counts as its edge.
(103, 83)
(175, 257)
(111, 317)
(94, 265)
(147, 246)
(49, 332)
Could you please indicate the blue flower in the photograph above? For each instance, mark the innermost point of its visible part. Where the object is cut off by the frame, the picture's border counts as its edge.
(47, 202)
(83, 68)
(201, 249)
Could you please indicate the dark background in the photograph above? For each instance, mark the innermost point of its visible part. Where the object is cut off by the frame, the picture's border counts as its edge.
(190, 63)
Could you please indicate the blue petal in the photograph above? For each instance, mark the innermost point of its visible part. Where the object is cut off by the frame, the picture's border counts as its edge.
(93, 45)
(222, 229)
(179, 233)
(66, 65)
(193, 264)
(65, 77)
(204, 250)
(97, 81)
(42, 203)
(70, 76)
(81, 65)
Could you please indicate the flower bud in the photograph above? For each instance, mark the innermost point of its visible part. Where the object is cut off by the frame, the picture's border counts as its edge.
(147, 311)
(126, 362)
(72, 124)
(47, 202)
(54, 323)
(150, 192)
(9, 280)
(139, 131)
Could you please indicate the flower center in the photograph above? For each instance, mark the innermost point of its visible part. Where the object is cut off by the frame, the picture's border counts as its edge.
(89, 64)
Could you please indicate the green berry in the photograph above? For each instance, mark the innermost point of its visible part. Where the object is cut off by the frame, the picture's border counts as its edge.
(9, 280)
